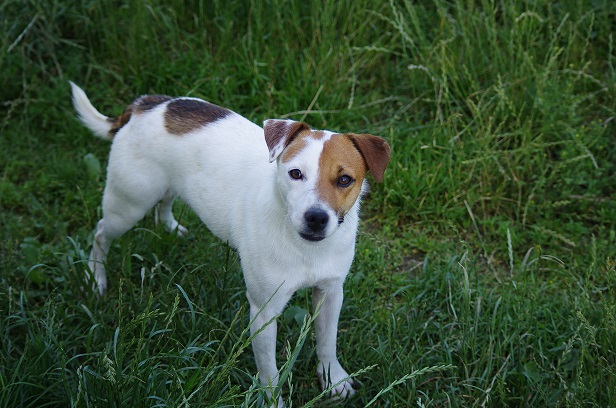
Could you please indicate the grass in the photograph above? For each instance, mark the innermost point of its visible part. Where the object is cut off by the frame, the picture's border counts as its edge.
(485, 272)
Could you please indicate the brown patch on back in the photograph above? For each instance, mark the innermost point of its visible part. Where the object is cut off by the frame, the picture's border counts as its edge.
(340, 157)
(185, 115)
(120, 121)
(147, 102)
(140, 105)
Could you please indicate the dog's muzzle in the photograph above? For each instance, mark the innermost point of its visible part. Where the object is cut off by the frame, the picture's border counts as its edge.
(315, 220)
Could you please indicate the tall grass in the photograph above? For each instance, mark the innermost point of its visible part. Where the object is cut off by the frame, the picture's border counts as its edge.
(518, 103)
(485, 272)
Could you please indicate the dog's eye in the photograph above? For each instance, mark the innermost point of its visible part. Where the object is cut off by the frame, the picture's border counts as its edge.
(296, 174)
(345, 181)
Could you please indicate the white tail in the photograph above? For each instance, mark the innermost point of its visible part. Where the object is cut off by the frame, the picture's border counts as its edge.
(98, 123)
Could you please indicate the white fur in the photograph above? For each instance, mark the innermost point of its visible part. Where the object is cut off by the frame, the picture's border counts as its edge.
(223, 173)
(88, 114)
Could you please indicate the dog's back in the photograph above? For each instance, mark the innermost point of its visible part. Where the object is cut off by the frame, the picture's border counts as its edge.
(158, 141)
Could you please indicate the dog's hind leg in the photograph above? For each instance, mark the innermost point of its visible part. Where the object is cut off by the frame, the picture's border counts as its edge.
(121, 211)
(163, 213)
(98, 256)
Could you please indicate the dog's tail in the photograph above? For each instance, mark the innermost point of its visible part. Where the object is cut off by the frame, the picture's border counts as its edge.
(98, 123)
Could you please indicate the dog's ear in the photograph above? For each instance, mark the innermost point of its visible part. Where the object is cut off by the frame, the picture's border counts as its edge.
(376, 153)
(279, 133)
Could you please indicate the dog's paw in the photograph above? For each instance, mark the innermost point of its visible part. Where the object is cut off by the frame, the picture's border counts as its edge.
(333, 374)
(96, 278)
(175, 227)
(181, 230)
(343, 390)
(165, 216)
(278, 404)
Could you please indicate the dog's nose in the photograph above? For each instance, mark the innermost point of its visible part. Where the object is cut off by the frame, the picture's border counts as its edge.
(316, 219)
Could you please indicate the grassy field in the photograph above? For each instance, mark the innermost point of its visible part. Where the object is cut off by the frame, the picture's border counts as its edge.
(485, 272)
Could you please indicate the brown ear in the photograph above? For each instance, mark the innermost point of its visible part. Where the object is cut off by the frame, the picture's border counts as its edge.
(376, 153)
(279, 133)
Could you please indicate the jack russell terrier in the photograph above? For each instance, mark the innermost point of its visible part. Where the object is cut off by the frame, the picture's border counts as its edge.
(286, 197)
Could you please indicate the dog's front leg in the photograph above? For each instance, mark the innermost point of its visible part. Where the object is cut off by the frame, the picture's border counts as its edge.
(263, 328)
(329, 370)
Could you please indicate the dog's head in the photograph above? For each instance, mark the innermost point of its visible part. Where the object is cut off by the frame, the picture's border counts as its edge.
(321, 174)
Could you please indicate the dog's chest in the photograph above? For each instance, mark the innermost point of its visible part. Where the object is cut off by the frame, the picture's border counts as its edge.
(300, 264)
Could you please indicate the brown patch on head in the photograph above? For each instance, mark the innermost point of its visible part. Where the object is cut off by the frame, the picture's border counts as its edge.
(185, 115)
(375, 151)
(340, 157)
(141, 104)
(299, 142)
(280, 133)
(293, 149)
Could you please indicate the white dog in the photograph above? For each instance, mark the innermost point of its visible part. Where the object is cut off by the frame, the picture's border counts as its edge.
(285, 196)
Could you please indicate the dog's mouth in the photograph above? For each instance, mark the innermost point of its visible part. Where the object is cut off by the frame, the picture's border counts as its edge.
(312, 237)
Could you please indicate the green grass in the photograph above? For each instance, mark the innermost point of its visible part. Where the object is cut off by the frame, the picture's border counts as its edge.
(485, 272)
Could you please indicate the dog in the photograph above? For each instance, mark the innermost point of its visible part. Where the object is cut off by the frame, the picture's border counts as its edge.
(285, 196)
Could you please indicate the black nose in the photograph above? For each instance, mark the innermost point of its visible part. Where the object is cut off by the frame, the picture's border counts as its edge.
(316, 219)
